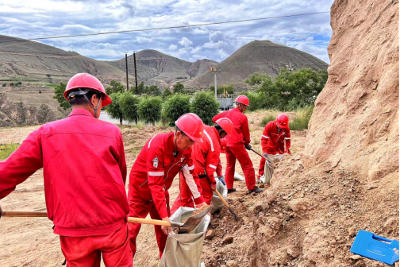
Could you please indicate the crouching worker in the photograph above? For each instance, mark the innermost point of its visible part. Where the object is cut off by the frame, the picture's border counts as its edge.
(160, 160)
(84, 171)
(275, 141)
(206, 158)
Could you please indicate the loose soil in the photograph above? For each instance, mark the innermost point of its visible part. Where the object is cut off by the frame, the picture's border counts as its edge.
(306, 217)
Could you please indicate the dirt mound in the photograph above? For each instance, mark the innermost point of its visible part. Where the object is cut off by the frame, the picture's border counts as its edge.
(355, 123)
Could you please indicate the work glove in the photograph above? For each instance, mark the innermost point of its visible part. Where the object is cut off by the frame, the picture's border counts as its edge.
(213, 187)
(247, 146)
(221, 178)
(166, 229)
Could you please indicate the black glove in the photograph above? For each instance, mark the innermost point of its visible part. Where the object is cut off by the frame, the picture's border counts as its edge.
(248, 146)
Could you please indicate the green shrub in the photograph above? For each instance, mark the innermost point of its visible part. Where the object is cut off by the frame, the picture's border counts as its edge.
(59, 96)
(114, 109)
(205, 106)
(174, 107)
(6, 150)
(166, 94)
(129, 106)
(301, 119)
(150, 109)
(267, 119)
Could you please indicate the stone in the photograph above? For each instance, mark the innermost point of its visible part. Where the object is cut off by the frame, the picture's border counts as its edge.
(228, 240)
(210, 234)
(232, 263)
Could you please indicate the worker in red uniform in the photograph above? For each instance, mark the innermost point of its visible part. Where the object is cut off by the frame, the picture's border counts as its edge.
(275, 140)
(238, 142)
(206, 157)
(160, 160)
(84, 171)
(218, 171)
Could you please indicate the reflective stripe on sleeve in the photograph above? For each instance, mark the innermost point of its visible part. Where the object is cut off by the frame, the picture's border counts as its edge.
(265, 136)
(156, 173)
(209, 138)
(287, 137)
(212, 166)
(190, 168)
(150, 141)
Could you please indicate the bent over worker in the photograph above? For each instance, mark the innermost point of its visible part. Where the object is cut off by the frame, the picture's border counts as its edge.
(238, 142)
(160, 160)
(275, 140)
(84, 173)
(206, 158)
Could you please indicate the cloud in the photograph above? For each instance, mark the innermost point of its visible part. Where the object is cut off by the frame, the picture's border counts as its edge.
(172, 47)
(185, 42)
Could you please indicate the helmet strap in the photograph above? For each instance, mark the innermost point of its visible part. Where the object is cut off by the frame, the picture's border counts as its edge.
(93, 107)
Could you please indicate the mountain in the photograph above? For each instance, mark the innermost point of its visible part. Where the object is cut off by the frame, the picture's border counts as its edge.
(264, 57)
(29, 61)
(154, 67)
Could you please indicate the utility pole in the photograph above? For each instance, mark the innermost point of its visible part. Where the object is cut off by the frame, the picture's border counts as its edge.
(213, 69)
(134, 63)
(126, 65)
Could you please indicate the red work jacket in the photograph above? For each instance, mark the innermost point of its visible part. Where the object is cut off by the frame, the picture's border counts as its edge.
(206, 154)
(84, 173)
(241, 134)
(274, 142)
(154, 170)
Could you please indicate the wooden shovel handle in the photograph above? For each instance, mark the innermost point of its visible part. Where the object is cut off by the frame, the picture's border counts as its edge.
(223, 199)
(23, 214)
(148, 221)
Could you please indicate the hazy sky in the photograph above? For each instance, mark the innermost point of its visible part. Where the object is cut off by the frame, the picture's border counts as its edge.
(33, 19)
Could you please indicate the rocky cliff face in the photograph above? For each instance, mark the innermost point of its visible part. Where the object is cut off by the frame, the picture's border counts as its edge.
(356, 117)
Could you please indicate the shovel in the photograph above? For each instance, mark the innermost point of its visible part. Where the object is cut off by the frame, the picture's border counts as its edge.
(227, 205)
(186, 227)
(183, 228)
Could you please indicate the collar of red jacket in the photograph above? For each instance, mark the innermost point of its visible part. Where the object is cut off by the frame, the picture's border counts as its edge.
(80, 111)
(236, 110)
(218, 138)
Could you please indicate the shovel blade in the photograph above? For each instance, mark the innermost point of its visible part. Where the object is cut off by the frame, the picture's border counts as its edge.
(193, 221)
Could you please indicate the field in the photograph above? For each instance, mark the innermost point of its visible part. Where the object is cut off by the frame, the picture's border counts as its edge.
(300, 216)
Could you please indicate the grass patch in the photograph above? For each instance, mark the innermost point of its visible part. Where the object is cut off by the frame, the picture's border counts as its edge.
(301, 119)
(270, 115)
(6, 150)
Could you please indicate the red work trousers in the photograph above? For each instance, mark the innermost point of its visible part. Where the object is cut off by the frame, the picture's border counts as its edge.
(140, 209)
(87, 251)
(239, 153)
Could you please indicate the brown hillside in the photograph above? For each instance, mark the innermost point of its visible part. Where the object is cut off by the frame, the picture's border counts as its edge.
(257, 56)
(154, 67)
(25, 60)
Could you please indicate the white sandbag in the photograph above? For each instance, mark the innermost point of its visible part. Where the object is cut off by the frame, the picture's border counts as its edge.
(238, 177)
(184, 250)
(216, 201)
(269, 166)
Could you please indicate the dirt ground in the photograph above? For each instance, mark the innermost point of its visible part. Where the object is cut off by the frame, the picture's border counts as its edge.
(305, 218)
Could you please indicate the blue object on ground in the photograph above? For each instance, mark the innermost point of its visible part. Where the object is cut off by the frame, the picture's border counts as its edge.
(375, 247)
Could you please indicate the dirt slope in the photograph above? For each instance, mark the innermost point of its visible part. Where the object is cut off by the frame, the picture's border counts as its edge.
(264, 57)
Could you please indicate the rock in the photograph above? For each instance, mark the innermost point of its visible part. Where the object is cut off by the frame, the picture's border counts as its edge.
(232, 263)
(355, 257)
(210, 234)
(228, 240)
(300, 204)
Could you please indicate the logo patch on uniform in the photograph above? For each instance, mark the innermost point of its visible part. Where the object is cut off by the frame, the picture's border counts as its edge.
(155, 162)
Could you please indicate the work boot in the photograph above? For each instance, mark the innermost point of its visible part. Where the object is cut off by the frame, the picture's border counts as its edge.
(231, 190)
(255, 190)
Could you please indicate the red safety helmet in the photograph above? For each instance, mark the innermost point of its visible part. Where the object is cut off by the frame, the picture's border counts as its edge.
(226, 124)
(224, 144)
(87, 81)
(242, 99)
(192, 126)
(282, 121)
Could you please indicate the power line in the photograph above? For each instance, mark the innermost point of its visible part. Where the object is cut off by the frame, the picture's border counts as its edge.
(176, 27)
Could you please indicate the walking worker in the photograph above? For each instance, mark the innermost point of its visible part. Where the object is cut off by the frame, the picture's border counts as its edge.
(160, 160)
(238, 142)
(84, 171)
(275, 140)
(206, 157)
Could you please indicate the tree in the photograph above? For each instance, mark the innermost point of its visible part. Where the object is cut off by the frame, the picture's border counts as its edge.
(150, 109)
(114, 109)
(115, 87)
(129, 106)
(154, 90)
(229, 89)
(179, 88)
(59, 96)
(205, 106)
(166, 93)
(176, 106)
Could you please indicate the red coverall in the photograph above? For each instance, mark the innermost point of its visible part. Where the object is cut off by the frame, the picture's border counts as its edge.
(151, 177)
(235, 148)
(274, 142)
(84, 173)
(206, 157)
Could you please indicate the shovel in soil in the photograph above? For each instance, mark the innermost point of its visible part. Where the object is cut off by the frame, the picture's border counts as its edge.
(23, 213)
(227, 205)
(183, 228)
